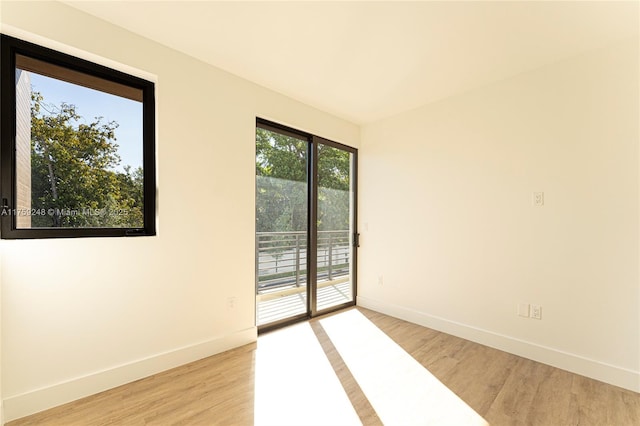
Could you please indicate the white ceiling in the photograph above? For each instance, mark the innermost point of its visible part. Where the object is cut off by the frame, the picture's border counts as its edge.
(368, 60)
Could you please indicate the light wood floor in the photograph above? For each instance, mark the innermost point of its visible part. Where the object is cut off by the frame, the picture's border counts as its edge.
(504, 389)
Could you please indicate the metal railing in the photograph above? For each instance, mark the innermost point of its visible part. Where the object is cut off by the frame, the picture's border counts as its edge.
(281, 258)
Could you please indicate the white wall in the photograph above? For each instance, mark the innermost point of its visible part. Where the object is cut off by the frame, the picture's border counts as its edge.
(447, 218)
(82, 315)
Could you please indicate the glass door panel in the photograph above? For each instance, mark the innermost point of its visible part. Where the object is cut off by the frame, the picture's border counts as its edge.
(281, 225)
(335, 227)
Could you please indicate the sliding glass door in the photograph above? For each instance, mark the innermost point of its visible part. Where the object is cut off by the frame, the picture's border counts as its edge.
(305, 225)
(334, 231)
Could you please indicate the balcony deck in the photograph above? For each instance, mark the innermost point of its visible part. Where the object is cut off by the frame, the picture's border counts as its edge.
(288, 302)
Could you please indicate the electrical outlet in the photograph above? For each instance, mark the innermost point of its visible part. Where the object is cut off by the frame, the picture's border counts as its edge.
(231, 302)
(523, 310)
(536, 312)
(538, 199)
(380, 282)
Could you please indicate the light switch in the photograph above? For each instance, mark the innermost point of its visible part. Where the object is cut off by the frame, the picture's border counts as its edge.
(538, 199)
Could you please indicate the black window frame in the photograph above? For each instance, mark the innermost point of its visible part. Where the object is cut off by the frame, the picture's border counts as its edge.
(9, 48)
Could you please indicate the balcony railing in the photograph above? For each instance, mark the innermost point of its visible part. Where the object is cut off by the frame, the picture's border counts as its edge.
(282, 258)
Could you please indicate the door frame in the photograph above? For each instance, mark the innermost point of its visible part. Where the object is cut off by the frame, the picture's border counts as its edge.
(313, 142)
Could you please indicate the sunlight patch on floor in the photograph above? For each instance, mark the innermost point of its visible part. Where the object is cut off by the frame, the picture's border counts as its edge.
(295, 383)
(400, 389)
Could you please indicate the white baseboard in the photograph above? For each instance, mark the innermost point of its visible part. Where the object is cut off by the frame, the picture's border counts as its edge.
(617, 376)
(31, 402)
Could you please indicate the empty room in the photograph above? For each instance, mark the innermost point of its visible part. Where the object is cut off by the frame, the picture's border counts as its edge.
(320, 213)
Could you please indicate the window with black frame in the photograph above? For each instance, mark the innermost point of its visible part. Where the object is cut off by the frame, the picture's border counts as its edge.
(78, 147)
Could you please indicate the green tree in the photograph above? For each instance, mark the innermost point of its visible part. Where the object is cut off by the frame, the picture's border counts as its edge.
(333, 189)
(281, 170)
(73, 171)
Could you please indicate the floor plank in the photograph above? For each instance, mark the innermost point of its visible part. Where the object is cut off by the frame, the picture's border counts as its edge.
(504, 389)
